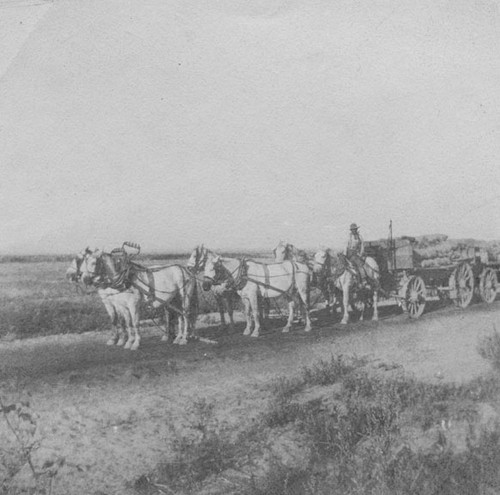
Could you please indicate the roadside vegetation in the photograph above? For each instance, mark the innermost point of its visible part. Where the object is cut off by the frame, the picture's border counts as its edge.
(342, 426)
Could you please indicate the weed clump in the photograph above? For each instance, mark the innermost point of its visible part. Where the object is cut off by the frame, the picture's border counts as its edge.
(205, 451)
(489, 348)
(326, 372)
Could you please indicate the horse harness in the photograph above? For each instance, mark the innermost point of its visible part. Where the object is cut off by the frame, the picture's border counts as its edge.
(150, 292)
(240, 280)
(123, 281)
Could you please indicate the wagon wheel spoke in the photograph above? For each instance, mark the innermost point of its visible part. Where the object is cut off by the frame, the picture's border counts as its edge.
(488, 283)
(415, 297)
(465, 285)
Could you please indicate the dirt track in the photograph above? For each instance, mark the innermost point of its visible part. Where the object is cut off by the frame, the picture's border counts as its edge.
(109, 412)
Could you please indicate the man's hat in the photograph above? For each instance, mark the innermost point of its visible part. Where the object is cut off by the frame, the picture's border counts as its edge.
(354, 226)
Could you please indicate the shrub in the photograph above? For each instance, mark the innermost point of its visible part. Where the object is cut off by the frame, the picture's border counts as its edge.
(489, 348)
(206, 451)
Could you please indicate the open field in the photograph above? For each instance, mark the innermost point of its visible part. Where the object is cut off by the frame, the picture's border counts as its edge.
(394, 407)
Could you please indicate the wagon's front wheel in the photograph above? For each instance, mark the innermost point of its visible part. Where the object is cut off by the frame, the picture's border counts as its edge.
(488, 283)
(464, 283)
(415, 297)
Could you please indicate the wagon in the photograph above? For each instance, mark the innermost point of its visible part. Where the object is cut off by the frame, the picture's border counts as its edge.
(404, 276)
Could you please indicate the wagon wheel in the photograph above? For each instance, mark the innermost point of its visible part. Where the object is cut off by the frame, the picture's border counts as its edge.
(415, 297)
(464, 283)
(488, 283)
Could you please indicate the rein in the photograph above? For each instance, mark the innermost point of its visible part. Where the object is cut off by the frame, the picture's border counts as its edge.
(150, 291)
(242, 278)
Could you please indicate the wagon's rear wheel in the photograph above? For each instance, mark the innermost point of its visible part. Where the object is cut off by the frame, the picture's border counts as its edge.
(415, 297)
(488, 283)
(464, 283)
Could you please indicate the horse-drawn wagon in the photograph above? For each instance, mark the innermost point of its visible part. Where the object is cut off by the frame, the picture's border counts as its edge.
(405, 277)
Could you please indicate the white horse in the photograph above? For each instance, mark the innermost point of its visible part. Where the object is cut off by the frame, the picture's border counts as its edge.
(121, 289)
(321, 278)
(224, 297)
(346, 281)
(285, 251)
(254, 281)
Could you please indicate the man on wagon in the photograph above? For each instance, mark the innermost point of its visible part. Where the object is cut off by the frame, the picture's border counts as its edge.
(355, 250)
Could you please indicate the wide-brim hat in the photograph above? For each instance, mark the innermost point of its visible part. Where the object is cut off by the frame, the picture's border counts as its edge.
(354, 226)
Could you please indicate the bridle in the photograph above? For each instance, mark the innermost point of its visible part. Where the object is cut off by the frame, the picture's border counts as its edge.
(95, 272)
(219, 272)
(222, 274)
(325, 263)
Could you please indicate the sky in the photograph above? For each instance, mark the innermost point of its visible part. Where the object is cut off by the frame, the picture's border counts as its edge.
(238, 124)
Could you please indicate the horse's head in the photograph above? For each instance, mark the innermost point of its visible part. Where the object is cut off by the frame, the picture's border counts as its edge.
(198, 258)
(90, 267)
(74, 273)
(283, 251)
(214, 273)
(321, 260)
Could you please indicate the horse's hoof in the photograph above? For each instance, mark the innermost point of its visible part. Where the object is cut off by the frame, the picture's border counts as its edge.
(120, 342)
(285, 330)
(111, 342)
(343, 322)
(307, 329)
(134, 347)
(164, 338)
(254, 334)
(183, 342)
(246, 332)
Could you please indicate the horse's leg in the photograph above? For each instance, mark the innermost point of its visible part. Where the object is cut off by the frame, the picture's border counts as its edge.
(184, 318)
(183, 330)
(266, 308)
(291, 312)
(220, 305)
(118, 336)
(305, 302)
(375, 304)
(362, 311)
(248, 316)
(120, 329)
(255, 312)
(166, 334)
(130, 332)
(345, 299)
(115, 322)
(229, 304)
(132, 312)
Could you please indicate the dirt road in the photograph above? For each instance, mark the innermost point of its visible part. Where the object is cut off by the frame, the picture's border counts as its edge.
(110, 412)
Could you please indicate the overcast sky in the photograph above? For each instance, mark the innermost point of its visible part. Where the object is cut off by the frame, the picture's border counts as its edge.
(238, 123)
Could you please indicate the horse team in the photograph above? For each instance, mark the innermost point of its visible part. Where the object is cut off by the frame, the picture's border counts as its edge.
(123, 284)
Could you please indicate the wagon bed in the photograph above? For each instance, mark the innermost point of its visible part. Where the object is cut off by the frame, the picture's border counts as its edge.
(404, 276)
